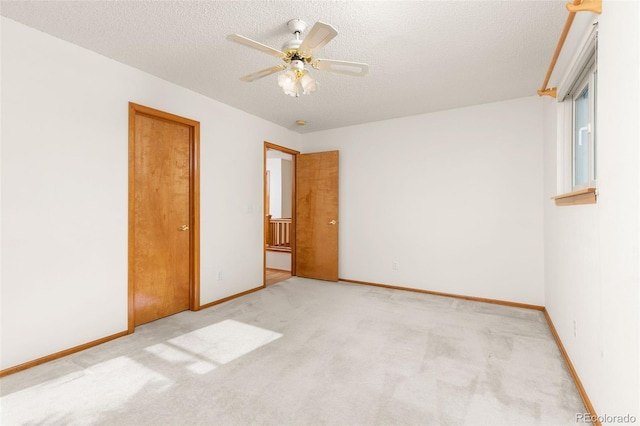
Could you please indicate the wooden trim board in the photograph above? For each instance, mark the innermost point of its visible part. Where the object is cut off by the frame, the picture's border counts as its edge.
(52, 357)
(235, 296)
(573, 7)
(456, 296)
(582, 196)
(278, 270)
(583, 393)
(79, 348)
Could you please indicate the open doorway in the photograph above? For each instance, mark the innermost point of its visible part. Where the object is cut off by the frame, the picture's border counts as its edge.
(279, 208)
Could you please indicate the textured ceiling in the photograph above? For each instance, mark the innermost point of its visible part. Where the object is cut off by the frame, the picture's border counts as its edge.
(424, 56)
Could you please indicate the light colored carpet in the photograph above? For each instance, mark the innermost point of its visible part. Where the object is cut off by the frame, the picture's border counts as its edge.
(305, 352)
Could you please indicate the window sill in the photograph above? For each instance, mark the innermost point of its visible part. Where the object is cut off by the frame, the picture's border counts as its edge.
(582, 196)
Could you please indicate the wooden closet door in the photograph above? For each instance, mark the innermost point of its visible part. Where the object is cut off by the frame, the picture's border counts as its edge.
(317, 215)
(161, 249)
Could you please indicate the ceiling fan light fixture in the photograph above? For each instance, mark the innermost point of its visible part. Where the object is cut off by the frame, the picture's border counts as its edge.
(295, 79)
(297, 55)
(309, 85)
(288, 80)
(291, 91)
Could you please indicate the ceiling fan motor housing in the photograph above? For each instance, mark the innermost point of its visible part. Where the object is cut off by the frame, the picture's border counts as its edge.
(297, 26)
(290, 48)
(291, 45)
(297, 65)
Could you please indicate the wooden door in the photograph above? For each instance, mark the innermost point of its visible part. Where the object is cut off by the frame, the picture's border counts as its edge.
(316, 216)
(161, 187)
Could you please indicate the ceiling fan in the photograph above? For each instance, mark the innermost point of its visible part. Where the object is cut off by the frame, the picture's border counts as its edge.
(298, 56)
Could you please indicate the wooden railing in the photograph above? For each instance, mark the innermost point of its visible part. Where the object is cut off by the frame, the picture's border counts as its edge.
(279, 235)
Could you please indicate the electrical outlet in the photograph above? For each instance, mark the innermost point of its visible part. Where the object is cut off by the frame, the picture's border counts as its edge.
(575, 328)
(394, 265)
(219, 275)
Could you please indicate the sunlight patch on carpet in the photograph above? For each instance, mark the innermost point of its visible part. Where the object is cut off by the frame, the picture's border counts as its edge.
(83, 397)
(205, 349)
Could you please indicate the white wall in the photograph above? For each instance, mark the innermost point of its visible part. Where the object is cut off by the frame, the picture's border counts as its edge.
(64, 191)
(278, 260)
(455, 198)
(275, 187)
(280, 186)
(1, 185)
(287, 188)
(592, 251)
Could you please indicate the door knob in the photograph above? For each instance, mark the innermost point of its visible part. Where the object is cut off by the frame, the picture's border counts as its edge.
(184, 228)
(333, 222)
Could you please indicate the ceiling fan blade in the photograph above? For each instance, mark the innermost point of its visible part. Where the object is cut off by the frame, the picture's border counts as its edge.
(357, 69)
(263, 73)
(319, 35)
(255, 45)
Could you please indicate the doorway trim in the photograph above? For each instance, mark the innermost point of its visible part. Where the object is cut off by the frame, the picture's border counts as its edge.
(294, 154)
(194, 204)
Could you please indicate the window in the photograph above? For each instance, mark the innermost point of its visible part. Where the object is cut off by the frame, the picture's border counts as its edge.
(583, 147)
(577, 124)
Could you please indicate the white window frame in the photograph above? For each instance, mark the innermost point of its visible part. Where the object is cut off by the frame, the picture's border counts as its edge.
(589, 82)
(581, 72)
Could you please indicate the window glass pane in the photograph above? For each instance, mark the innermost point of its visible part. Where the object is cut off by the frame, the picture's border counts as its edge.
(581, 138)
